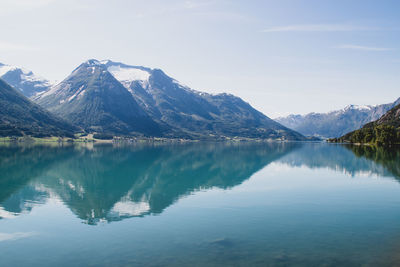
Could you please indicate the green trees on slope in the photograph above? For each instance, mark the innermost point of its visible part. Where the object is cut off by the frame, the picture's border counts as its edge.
(383, 134)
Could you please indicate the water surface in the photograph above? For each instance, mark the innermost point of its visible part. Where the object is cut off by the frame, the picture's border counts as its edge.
(274, 204)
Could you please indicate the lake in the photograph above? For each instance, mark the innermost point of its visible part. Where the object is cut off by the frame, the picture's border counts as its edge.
(202, 204)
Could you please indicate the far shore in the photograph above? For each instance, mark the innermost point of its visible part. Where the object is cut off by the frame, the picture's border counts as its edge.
(116, 140)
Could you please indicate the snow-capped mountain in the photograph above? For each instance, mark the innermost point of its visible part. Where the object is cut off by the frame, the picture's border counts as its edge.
(93, 99)
(192, 111)
(177, 109)
(23, 80)
(336, 123)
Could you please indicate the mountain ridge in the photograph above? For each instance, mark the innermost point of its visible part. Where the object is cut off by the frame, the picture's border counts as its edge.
(19, 116)
(178, 110)
(28, 83)
(384, 131)
(335, 123)
(93, 99)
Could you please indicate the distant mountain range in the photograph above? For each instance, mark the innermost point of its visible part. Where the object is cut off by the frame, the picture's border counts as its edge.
(335, 123)
(384, 131)
(19, 116)
(115, 98)
(23, 80)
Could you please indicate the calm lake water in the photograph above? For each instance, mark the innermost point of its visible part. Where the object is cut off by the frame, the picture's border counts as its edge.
(276, 204)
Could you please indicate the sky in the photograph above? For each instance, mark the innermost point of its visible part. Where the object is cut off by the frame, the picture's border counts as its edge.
(282, 56)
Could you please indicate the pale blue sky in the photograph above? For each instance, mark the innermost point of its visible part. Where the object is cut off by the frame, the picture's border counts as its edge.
(281, 56)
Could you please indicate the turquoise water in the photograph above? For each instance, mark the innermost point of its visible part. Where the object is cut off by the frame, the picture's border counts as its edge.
(277, 204)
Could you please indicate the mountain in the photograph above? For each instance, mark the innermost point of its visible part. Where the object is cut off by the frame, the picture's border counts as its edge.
(23, 80)
(93, 99)
(391, 118)
(112, 97)
(19, 116)
(384, 131)
(192, 113)
(335, 123)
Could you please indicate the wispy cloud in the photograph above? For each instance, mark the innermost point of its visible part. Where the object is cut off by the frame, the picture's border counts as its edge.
(15, 236)
(363, 48)
(12, 47)
(318, 28)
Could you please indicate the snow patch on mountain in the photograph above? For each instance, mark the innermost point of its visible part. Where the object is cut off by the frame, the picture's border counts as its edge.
(24, 80)
(51, 91)
(126, 75)
(5, 68)
(80, 92)
(358, 107)
(93, 62)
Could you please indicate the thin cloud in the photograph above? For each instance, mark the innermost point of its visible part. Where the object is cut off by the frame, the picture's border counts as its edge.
(363, 48)
(318, 28)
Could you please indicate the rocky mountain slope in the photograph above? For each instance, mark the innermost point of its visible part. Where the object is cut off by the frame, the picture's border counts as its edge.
(19, 116)
(93, 99)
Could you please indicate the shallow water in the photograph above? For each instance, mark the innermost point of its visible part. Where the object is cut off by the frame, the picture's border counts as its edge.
(275, 204)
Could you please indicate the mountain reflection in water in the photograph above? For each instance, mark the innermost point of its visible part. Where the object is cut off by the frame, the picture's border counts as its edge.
(350, 159)
(110, 183)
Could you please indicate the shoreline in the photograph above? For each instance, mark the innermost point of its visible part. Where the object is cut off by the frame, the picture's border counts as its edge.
(135, 140)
